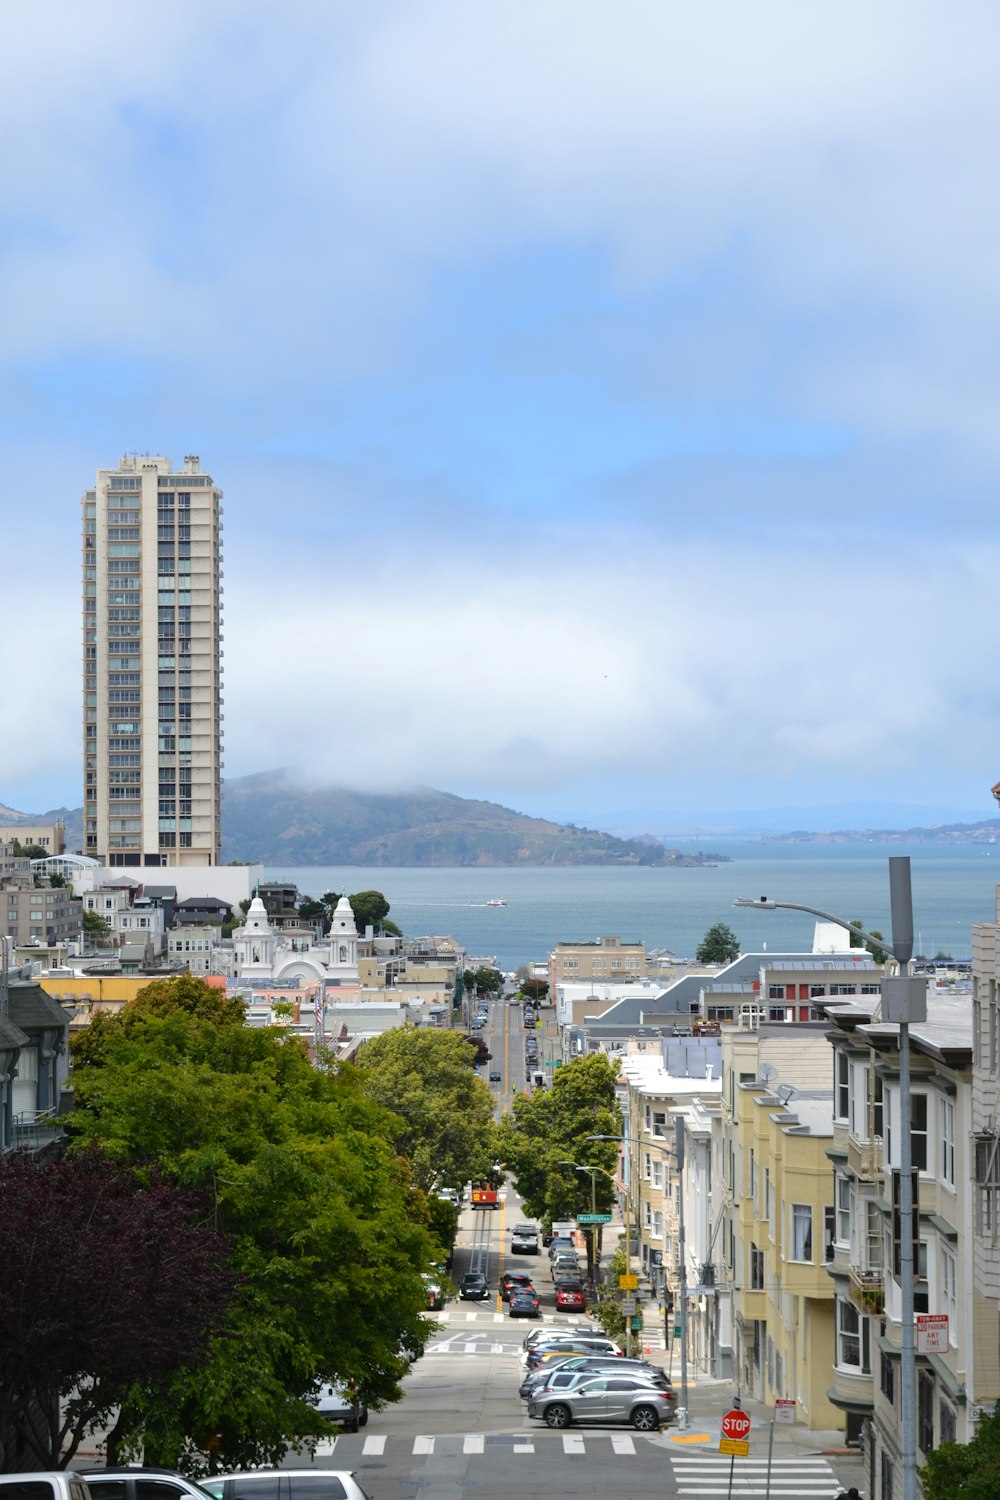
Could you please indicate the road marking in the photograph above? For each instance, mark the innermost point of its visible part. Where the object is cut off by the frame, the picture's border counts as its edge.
(572, 1443)
(622, 1443)
(523, 1445)
(325, 1447)
(470, 1317)
(374, 1446)
(498, 1317)
(473, 1443)
(423, 1445)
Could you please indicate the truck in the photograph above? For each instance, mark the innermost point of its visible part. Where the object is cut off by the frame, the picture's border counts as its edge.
(524, 1240)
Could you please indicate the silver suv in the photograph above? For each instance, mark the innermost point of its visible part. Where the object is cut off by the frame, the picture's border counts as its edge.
(608, 1398)
(141, 1484)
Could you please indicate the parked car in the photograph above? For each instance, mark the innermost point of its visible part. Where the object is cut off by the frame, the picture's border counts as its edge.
(543, 1354)
(44, 1484)
(606, 1398)
(139, 1483)
(560, 1335)
(561, 1244)
(592, 1364)
(525, 1304)
(512, 1281)
(473, 1287)
(342, 1404)
(570, 1296)
(286, 1484)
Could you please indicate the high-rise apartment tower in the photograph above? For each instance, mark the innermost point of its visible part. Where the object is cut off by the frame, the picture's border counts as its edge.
(151, 690)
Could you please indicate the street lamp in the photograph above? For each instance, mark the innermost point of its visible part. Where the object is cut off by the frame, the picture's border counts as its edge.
(904, 1000)
(678, 1154)
(592, 1236)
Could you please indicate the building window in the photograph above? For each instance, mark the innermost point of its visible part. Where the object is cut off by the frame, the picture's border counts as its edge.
(657, 1169)
(756, 1269)
(948, 1142)
(853, 1347)
(947, 1425)
(844, 1195)
(918, 1131)
(887, 1378)
(887, 1477)
(842, 1086)
(949, 1300)
(659, 1123)
(802, 1231)
(925, 1411)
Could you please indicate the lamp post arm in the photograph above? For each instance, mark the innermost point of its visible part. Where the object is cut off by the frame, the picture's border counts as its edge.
(828, 916)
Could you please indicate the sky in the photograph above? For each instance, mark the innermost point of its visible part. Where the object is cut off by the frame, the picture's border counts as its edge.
(604, 394)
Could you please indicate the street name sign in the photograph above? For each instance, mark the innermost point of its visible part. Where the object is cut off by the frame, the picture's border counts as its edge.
(735, 1439)
(593, 1218)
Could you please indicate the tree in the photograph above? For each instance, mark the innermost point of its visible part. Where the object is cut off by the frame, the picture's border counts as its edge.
(96, 928)
(371, 909)
(966, 1471)
(857, 941)
(535, 989)
(481, 1053)
(108, 1283)
(490, 980)
(720, 945)
(445, 1112)
(548, 1135)
(297, 1163)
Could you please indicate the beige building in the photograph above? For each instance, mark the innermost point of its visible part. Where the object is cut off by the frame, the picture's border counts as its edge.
(777, 1190)
(39, 914)
(607, 958)
(48, 836)
(151, 647)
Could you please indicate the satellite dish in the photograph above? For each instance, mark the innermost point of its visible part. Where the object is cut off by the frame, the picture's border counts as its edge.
(786, 1091)
(766, 1072)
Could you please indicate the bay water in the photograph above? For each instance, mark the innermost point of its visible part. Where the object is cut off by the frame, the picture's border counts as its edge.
(673, 908)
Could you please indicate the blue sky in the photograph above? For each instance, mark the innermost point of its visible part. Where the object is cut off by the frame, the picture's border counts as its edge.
(604, 395)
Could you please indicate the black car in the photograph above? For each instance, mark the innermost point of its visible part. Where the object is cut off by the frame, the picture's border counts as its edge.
(473, 1287)
(514, 1281)
(496, 1076)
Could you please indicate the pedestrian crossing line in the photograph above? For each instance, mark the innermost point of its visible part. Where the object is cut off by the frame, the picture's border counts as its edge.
(622, 1443)
(422, 1445)
(706, 1475)
(374, 1446)
(573, 1443)
(523, 1445)
(325, 1447)
(498, 1318)
(473, 1443)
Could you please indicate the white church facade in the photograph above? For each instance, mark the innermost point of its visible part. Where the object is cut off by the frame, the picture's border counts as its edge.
(262, 954)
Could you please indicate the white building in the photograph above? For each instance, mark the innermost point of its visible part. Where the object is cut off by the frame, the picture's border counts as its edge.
(263, 955)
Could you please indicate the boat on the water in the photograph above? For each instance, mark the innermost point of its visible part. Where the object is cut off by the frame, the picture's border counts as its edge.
(497, 901)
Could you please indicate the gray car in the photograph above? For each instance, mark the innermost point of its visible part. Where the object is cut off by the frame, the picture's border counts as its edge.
(590, 1364)
(608, 1399)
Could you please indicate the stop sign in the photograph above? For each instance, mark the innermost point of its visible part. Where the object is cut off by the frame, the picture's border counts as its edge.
(736, 1425)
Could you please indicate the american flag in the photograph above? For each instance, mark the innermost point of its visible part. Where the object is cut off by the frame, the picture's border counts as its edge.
(319, 1008)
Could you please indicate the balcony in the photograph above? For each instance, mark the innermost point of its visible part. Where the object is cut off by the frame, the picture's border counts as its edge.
(867, 1290)
(864, 1158)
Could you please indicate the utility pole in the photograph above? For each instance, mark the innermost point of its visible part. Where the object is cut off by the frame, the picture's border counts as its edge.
(682, 1411)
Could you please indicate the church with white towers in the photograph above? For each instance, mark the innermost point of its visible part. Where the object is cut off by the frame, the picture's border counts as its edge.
(266, 956)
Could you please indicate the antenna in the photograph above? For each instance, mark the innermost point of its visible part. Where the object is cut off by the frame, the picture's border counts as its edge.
(766, 1072)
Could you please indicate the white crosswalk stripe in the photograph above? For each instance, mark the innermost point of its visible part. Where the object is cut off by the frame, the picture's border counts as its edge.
(706, 1475)
(374, 1446)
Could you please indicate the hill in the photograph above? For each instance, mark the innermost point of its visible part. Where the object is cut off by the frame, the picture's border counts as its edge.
(270, 816)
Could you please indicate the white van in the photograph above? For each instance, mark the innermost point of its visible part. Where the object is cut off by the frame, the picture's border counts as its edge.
(53, 1484)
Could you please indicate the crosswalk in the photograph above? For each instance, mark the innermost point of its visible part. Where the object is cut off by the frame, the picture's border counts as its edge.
(460, 1316)
(706, 1475)
(374, 1445)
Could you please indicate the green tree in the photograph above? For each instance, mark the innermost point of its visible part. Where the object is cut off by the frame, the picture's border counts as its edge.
(548, 1134)
(535, 989)
(298, 1165)
(720, 945)
(857, 941)
(608, 1308)
(966, 1471)
(445, 1112)
(371, 909)
(489, 980)
(96, 928)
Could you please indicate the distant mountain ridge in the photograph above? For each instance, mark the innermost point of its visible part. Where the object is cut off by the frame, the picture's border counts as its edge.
(985, 832)
(270, 816)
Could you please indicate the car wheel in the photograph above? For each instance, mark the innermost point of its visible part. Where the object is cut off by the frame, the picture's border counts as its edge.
(557, 1415)
(645, 1419)
(351, 1425)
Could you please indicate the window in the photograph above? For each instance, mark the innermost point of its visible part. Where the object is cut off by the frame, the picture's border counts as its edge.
(948, 1142)
(659, 1122)
(947, 1425)
(657, 1174)
(918, 1130)
(887, 1378)
(887, 1477)
(853, 1348)
(925, 1411)
(756, 1269)
(949, 1301)
(802, 1231)
(657, 1225)
(842, 1086)
(844, 1195)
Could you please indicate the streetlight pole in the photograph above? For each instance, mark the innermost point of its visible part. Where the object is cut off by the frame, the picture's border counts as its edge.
(592, 1235)
(904, 1000)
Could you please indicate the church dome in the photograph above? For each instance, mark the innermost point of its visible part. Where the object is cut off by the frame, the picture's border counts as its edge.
(256, 917)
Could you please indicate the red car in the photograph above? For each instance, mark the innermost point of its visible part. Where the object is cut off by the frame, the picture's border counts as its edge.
(570, 1296)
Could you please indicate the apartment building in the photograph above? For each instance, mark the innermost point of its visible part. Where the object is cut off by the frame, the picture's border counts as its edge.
(777, 1207)
(151, 648)
(954, 1382)
(48, 836)
(39, 914)
(606, 958)
(985, 1165)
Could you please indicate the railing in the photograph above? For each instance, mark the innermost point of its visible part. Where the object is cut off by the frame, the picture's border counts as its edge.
(33, 1128)
(865, 1157)
(867, 1290)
